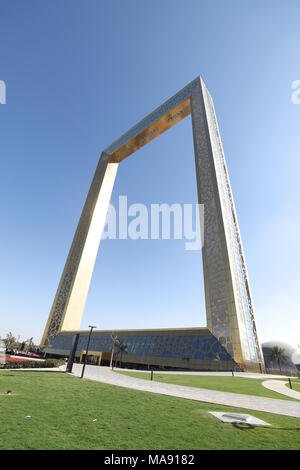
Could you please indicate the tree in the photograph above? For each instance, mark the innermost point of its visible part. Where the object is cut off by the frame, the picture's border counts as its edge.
(114, 344)
(13, 343)
(278, 354)
(121, 348)
(30, 346)
(118, 348)
(10, 341)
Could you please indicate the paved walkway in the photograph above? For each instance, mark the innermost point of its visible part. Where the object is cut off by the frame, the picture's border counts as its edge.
(246, 375)
(280, 387)
(269, 405)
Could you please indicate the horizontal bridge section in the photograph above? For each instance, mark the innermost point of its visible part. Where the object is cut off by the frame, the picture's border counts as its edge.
(163, 117)
(168, 120)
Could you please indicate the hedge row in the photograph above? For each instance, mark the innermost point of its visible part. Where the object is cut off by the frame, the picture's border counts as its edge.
(32, 364)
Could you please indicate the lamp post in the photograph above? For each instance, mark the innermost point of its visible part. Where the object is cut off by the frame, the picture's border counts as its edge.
(87, 350)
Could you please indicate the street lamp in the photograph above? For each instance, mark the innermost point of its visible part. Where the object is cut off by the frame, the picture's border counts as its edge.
(87, 349)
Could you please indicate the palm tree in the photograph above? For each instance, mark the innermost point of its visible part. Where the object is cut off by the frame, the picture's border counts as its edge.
(115, 342)
(121, 348)
(118, 346)
(278, 354)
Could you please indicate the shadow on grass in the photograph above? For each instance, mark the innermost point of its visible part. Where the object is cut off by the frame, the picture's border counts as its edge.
(247, 426)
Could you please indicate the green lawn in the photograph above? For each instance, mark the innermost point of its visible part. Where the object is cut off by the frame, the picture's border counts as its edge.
(231, 384)
(62, 410)
(295, 385)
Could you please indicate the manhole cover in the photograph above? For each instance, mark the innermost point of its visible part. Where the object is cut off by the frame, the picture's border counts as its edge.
(239, 418)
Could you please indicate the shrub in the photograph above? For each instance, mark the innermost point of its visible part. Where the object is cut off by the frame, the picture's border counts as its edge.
(33, 364)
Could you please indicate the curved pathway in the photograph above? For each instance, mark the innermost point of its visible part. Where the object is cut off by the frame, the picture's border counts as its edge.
(269, 405)
(280, 387)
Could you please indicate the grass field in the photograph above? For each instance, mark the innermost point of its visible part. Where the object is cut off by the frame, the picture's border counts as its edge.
(295, 385)
(231, 384)
(63, 410)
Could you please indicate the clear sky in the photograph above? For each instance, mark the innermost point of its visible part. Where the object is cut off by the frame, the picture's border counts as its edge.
(79, 74)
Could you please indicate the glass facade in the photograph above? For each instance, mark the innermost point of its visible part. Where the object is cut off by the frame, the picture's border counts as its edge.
(230, 212)
(286, 367)
(199, 347)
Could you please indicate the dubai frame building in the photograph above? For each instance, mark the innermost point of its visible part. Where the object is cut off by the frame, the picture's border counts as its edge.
(230, 337)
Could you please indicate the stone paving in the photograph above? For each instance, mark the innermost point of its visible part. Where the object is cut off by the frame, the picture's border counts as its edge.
(280, 387)
(269, 405)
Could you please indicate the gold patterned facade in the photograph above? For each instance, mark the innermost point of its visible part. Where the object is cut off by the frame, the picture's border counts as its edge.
(229, 308)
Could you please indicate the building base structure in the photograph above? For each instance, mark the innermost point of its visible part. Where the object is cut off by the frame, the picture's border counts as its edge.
(170, 349)
(229, 307)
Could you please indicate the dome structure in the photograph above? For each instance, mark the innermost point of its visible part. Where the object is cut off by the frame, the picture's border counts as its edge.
(288, 366)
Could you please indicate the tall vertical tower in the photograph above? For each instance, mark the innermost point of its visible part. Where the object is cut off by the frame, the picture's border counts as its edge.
(229, 308)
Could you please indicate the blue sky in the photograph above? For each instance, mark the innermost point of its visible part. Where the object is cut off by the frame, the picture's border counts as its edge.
(79, 74)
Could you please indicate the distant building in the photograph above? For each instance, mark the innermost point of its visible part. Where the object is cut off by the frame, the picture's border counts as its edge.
(289, 367)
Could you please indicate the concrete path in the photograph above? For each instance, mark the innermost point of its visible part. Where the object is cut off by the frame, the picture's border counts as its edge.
(246, 375)
(280, 387)
(269, 405)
